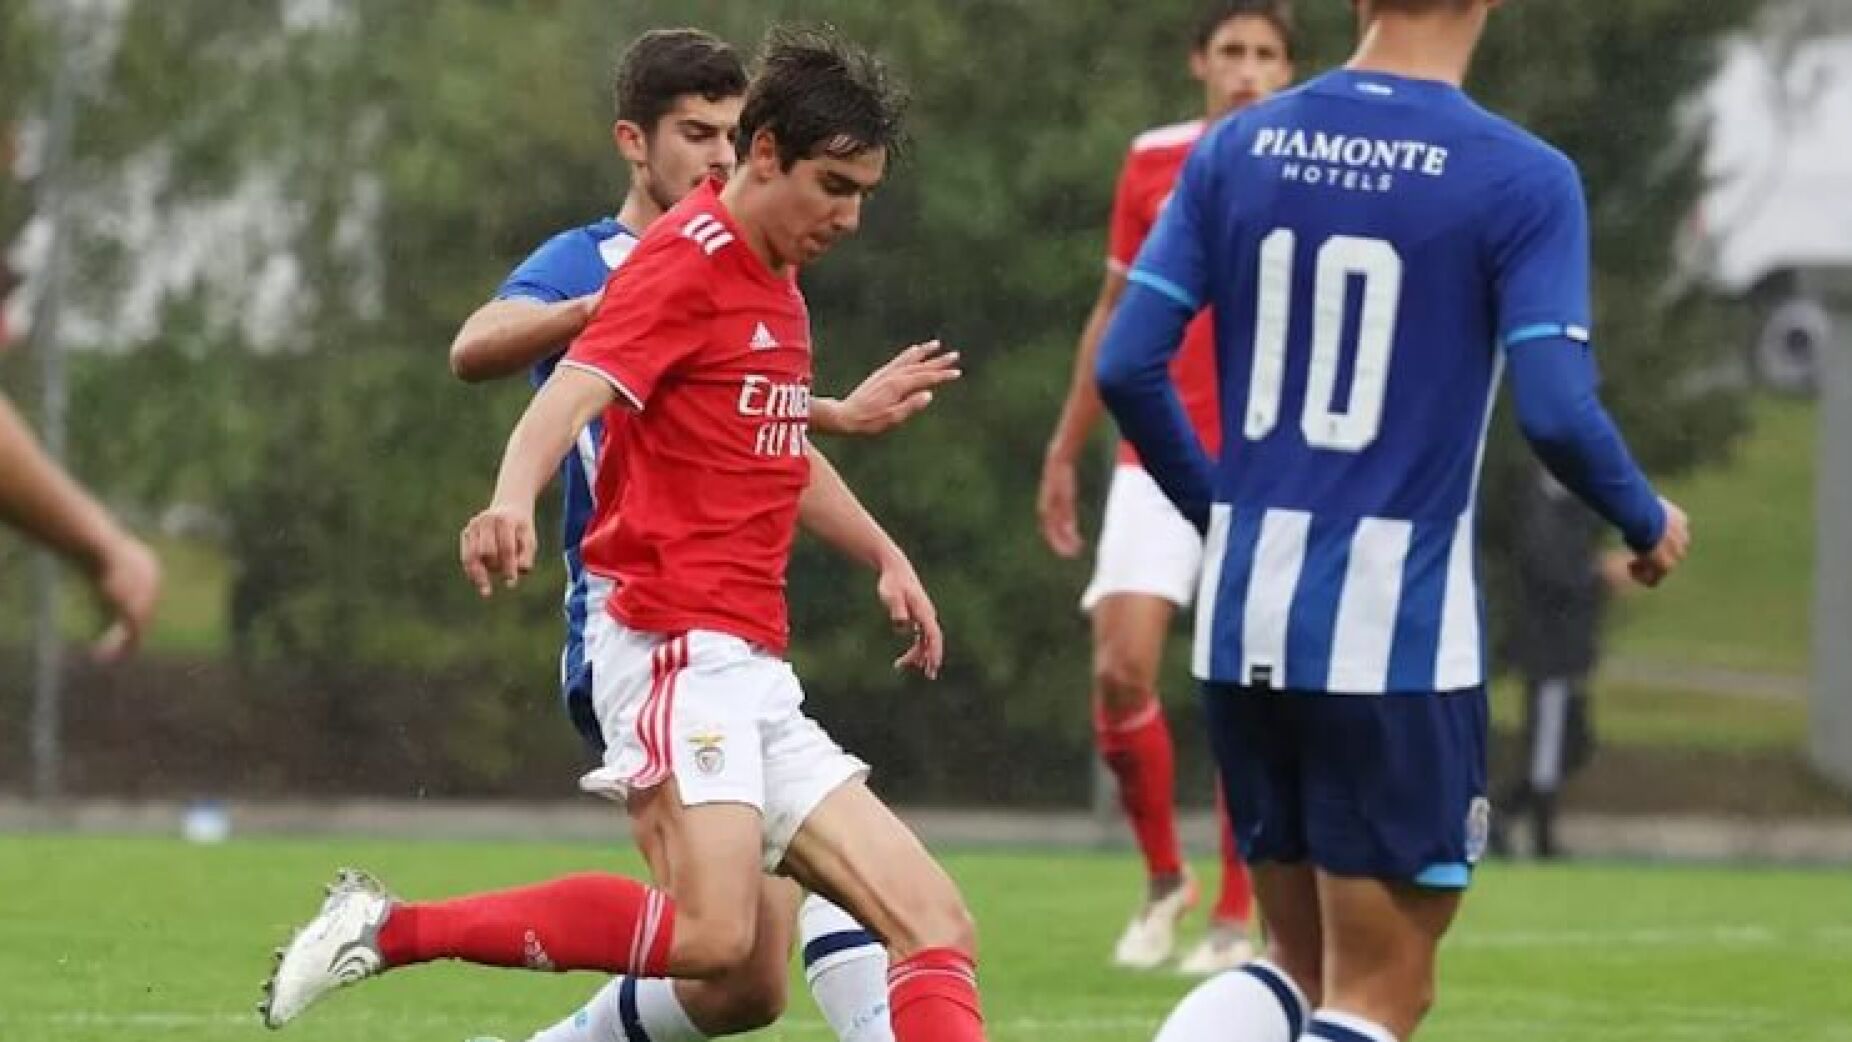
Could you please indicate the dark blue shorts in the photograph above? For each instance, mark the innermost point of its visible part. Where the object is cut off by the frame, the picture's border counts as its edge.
(1379, 786)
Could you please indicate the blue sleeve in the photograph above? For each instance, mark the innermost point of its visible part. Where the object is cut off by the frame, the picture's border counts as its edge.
(1553, 381)
(1539, 251)
(1133, 373)
(552, 273)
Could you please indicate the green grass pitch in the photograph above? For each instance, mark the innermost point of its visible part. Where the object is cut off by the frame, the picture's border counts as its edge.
(107, 940)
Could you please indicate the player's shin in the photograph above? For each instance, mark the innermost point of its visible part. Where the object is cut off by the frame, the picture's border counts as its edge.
(583, 922)
(846, 968)
(932, 997)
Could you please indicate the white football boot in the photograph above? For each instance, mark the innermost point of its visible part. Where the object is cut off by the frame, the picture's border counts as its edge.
(338, 947)
(1224, 947)
(1152, 933)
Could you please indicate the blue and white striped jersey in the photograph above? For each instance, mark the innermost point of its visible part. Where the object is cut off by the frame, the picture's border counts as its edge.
(1367, 242)
(573, 263)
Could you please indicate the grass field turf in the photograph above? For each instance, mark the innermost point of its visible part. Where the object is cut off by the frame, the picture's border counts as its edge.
(107, 940)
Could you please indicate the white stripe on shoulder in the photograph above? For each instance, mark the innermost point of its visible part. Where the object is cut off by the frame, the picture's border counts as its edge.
(1168, 136)
(616, 249)
(629, 396)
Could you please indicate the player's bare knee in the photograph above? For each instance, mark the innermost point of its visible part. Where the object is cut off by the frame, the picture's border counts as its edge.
(1124, 681)
(939, 920)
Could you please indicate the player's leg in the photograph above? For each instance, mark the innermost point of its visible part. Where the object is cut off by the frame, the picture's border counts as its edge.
(1147, 567)
(1516, 797)
(1553, 699)
(1254, 739)
(1134, 740)
(845, 966)
(590, 921)
(749, 997)
(1396, 819)
(703, 925)
(853, 849)
(1227, 943)
(1382, 938)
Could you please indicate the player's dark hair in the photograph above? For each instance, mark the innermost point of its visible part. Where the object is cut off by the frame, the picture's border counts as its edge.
(820, 95)
(665, 64)
(1277, 13)
(1419, 6)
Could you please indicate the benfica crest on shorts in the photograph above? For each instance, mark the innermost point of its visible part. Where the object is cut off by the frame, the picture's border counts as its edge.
(709, 758)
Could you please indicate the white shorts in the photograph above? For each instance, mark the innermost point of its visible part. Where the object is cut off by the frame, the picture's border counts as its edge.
(722, 717)
(1146, 545)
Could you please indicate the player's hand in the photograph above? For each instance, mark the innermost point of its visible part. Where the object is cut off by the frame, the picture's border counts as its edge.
(498, 544)
(911, 612)
(1615, 567)
(894, 393)
(1651, 569)
(128, 582)
(588, 306)
(1054, 505)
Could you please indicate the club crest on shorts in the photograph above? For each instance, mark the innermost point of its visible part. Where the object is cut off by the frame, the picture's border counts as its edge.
(1478, 828)
(709, 758)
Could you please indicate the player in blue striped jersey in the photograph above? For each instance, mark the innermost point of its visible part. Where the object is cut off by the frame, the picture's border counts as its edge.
(678, 103)
(1377, 250)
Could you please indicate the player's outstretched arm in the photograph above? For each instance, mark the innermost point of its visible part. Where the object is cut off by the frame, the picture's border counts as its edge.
(830, 511)
(39, 498)
(505, 337)
(1080, 413)
(1554, 387)
(891, 395)
(499, 542)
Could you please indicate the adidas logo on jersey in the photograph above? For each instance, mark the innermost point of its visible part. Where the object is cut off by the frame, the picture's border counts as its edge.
(707, 232)
(762, 339)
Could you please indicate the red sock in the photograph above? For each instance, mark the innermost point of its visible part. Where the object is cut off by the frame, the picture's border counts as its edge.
(932, 997)
(582, 922)
(1136, 747)
(1236, 902)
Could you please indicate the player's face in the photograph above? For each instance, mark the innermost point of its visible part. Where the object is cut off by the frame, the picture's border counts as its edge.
(819, 202)
(692, 141)
(1244, 61)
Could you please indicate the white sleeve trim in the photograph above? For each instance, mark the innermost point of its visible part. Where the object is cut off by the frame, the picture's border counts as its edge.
(630, 397)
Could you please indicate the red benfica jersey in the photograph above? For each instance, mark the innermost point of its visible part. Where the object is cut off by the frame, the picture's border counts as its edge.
(1151, 169)
(712, 352)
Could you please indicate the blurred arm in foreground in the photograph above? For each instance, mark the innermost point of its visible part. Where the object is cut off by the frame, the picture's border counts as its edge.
(43, 501)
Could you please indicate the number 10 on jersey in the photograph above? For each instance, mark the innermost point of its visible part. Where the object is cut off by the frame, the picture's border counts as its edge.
(1354, 425)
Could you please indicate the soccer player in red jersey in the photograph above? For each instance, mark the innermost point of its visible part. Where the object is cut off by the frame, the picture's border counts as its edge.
(1149, 556)
(723, 774)
(678, 94)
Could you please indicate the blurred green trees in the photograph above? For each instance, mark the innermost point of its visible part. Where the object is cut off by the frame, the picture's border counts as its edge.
(381, 166)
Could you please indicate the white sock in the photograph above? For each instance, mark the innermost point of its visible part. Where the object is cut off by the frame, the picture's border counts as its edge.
(1331, 1026)
(1256, 1003)
(628, 1009)
(846, 967)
